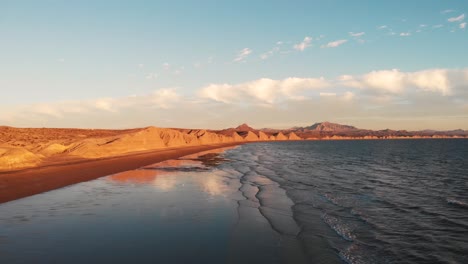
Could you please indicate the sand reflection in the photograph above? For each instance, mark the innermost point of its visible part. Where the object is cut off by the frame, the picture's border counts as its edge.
(165, 182)
(210, 182)
(135, 176)
(214, 184)
(166, 175)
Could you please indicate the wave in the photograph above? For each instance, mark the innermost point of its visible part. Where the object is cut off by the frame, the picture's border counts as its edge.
(454, 201)
(340, 228)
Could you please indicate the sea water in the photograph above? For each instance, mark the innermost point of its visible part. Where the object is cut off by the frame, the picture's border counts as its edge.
(394, 201)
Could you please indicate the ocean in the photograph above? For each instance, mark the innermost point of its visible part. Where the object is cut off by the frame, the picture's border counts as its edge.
(368, 201)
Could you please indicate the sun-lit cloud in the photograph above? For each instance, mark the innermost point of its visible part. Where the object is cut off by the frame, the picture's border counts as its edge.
(438, 93)
(356, 35)
(335, 44)
(267, 91)
(446, 11)
(462, 25)
(405, 34)
(242, 55)
(442, 81)
(457, 19)
(307, 42)
(162, 99)
(382, 27)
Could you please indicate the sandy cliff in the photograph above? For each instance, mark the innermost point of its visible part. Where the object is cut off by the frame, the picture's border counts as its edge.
(31, 147)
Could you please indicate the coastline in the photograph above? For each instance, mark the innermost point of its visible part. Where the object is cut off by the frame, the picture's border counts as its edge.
(20, 183)
(26, 182)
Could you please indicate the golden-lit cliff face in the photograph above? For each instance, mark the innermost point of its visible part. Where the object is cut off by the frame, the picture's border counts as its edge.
(29, 147)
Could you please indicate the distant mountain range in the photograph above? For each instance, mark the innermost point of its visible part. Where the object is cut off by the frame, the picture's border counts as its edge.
(326, 130)
(30, 147)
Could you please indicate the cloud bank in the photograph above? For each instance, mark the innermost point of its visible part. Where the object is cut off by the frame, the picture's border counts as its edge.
(370, 100)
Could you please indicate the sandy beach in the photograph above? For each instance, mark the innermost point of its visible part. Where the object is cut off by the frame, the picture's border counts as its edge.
(23, 183)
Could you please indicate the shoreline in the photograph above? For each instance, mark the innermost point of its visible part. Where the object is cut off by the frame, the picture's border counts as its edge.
(20, 183)
(27, 182)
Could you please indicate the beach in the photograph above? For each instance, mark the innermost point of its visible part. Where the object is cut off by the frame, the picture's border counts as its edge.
(22, 183)
(194, 209)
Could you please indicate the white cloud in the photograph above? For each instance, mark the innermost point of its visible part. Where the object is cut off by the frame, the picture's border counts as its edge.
(266, 91)
(447, 11)
(437, 26)
(105, 104)
(166, 66)
(307, 42)
(382, 27)
(457, 19)
(179, 71)
(335, 44)
(162, 99)
(405, 34)
(356, 35)
(269, 53)
(433, 94)
(151, 76)
(348, 96)
(443, 81)
(242, 55)
(462, 25)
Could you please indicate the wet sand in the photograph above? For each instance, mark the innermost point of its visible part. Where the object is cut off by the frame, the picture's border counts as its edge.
(200, 208)
(58, 174)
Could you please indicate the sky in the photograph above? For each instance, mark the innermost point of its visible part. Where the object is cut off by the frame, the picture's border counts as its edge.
(216, 64)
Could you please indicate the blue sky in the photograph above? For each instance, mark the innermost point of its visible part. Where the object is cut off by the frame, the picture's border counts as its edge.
(374, 64)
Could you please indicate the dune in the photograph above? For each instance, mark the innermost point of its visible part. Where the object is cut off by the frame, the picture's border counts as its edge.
(280, 136)
(232, 134)
(293, 136)
(29, 147)
(206, 137)
(15, 158)
(248, 136)
(53, 149)
(263, 136)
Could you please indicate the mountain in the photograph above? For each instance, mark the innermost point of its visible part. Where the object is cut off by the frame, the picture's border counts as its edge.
(244, 127)
(327, 126)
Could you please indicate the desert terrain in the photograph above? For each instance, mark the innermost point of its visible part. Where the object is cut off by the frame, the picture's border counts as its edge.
(34, 160)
